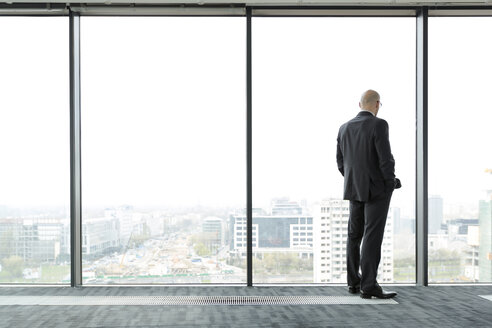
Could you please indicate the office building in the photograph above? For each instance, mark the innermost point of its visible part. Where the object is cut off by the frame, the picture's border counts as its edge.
(35, 240)
(286, 229)
(100, 236)
(213, 230)
(435, 214)
(331, 225)
(485, 248)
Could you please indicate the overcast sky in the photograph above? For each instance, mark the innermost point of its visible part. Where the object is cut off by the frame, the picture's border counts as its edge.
(163, 103)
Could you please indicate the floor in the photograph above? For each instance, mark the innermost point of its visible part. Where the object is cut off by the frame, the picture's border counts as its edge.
(435, 306)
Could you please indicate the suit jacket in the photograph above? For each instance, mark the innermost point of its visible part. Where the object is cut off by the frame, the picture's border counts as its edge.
(364, 157)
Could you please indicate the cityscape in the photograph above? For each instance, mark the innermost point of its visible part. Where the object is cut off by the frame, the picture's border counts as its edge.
(293, 242)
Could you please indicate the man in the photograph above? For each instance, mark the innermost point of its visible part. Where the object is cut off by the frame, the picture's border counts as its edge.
(364, 158)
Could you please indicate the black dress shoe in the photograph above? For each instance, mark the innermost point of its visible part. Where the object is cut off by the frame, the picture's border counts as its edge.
(377, 292)
(354, 289)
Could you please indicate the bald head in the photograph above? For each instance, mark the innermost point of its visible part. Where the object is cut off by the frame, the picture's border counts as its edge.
(369, 100)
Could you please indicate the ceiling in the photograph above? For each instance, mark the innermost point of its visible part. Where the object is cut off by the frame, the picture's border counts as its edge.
(439, 3)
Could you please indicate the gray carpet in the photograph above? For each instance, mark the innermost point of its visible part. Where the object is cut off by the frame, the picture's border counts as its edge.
(443, 306)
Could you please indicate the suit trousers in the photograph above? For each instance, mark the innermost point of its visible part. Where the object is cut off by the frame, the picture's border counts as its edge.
(366, 224)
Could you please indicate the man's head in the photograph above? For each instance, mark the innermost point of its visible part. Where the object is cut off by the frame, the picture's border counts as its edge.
(370, 101)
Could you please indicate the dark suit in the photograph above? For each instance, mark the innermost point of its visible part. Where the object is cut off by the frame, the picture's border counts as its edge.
(364, 158)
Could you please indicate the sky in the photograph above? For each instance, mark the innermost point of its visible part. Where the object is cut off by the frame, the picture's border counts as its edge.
(163, 107)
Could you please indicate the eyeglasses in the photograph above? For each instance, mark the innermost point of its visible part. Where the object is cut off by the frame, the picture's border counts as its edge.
(380, 104)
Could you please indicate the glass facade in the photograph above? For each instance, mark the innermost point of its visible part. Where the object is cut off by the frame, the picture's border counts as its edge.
(164, 126)
(163, 147)
(460, 156)
(34, 148)
(307, 82)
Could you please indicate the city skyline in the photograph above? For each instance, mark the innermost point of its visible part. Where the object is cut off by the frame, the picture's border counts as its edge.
(107, 235)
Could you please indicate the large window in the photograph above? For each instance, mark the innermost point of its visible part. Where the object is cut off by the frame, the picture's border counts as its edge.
(460, 156)
(163, 105)
(164, 149)
(308, 75)
(34, 148)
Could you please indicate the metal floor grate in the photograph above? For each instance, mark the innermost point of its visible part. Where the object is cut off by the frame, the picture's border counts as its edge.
(188, 300)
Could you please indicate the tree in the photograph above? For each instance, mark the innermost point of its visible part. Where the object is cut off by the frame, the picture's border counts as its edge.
(14, 266)
(281, 263)
(201, 250)
(209, 239)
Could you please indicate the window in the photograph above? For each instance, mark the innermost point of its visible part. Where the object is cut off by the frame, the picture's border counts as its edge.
(34, 147)
(307, 81)
(158, 160)
(459, 208)
(163, 146)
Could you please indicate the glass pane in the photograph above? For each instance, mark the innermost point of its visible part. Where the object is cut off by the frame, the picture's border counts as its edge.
(460, 156)
(308, 76)
(163, 120)
(34, 143)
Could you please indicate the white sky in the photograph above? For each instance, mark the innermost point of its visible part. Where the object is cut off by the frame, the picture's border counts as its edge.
(308, 76)
(460, 108)
(34, 111)
(163, 103)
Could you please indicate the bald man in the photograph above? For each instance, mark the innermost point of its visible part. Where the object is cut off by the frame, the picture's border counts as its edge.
(364, 158)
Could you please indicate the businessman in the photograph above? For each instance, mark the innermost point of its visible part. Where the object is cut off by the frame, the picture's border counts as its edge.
(364, 158)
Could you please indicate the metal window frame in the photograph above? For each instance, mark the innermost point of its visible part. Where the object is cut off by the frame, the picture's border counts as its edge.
(159, 10)
(249, 152)
(334, 11)
(75, 154)
(34, 9)
(421, 199)
(240, 9)
(421, 13)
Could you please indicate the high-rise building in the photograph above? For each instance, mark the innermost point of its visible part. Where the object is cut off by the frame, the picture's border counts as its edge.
(213, 229)
(402, 225)
(457, 229)
(100, 236)
(435, 213)
(124, 215)
(285, 229)
(397, 221)
(485, 239)
(471, 253)
(34, 240)
(330, 228)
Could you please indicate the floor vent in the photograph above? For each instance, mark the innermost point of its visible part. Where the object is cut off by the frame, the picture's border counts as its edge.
(188, 300)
